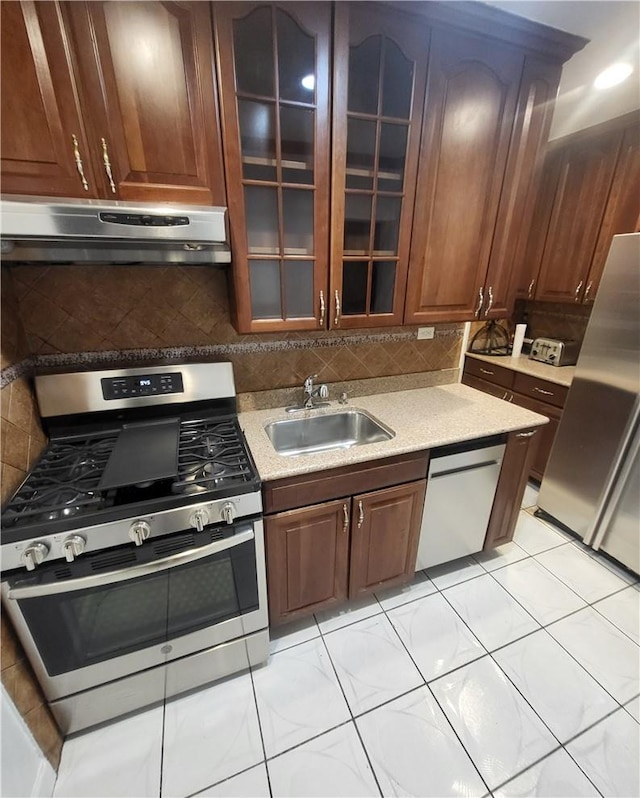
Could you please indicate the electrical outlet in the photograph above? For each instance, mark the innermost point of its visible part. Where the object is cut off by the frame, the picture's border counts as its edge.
(426, 332)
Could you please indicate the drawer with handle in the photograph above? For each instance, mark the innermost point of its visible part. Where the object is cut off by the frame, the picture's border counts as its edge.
(489, 372)
(542, 390)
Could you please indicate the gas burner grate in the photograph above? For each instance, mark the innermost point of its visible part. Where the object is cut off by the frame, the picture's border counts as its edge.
(211, 454)
(64, 483)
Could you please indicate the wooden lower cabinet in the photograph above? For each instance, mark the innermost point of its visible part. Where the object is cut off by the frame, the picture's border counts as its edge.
(319, 555)
(384, 537)
(307, 559)
(546, 435)
(516, 464)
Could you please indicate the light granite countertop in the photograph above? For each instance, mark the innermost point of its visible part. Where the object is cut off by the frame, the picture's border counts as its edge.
(422, 418)
(561, 375)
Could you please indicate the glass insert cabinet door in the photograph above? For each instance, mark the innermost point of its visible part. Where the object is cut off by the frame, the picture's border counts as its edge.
(274, 73)
(380, 65)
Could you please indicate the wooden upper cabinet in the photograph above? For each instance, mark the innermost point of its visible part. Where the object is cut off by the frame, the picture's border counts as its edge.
(274, 77)
(540, 80)
(385, 531)
(149, 98)
(44, 148)
(472, 89)
(585, 173)
(380, 66)
(622, 214)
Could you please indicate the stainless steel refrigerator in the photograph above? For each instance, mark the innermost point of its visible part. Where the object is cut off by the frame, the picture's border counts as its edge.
(592, 481)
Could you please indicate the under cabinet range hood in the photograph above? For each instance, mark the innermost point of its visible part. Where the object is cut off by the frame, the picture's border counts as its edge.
(55, 231)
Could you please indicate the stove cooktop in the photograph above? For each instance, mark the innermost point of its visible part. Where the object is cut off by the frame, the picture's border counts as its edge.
(63, 491)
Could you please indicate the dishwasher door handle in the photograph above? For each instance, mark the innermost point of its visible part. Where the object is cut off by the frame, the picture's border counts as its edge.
(462, 469)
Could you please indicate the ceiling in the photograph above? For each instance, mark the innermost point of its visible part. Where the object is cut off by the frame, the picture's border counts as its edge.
(613, 27)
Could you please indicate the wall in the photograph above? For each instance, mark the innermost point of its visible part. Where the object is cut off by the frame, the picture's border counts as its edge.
(554, 319)
(22, 441)
(151, 313)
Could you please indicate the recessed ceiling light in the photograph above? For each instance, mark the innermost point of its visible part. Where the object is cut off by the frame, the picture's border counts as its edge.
(308, 82)
(613, 75)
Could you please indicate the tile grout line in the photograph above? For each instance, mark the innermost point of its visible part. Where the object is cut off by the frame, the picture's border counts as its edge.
(264, 750)
(353, 720)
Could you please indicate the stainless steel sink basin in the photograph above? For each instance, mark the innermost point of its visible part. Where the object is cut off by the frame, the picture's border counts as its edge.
(341, 430)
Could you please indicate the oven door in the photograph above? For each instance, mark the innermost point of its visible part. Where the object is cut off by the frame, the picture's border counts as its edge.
(123, 610)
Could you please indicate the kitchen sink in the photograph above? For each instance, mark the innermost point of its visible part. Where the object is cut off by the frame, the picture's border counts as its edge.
(321, 433)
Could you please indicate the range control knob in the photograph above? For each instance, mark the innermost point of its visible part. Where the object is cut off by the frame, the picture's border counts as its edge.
(34, 554)
(228, 512)
(199, 519)
(139, 531)
(73, 547)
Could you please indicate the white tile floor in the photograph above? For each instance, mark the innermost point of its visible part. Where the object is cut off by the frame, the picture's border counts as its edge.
(512, 674)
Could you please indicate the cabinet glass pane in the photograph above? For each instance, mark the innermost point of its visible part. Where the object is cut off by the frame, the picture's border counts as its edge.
(364, 71)
(261, 209)
(265, 289)
(391, 156)
(354, 287)
(357, 223)
(253, 53)
(397, 82)
(297, 221)
(296, 60)
(383, 278)
(298, 288)
(296, 133)
(385, 239)
(257, 140)
(361, 145)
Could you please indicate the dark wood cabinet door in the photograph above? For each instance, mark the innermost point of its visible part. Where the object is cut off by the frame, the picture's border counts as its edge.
(585, 173)
(385, 530)
(539, 87)
(307, 559)
(380, 67)
(546, 434)
(516, 465)
(622, 214)
(472, 88)
(147, 71)
(274, 79)
(44, 149)
(486, 387)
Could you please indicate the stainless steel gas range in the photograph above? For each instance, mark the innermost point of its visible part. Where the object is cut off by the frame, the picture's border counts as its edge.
(133, 560)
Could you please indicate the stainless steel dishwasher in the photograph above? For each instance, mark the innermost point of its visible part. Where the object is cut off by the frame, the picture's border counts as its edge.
(461, 486)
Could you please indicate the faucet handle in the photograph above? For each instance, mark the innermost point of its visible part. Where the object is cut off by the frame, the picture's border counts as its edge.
(323, 392)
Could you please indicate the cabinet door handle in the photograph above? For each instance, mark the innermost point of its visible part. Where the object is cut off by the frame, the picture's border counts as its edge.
(486, 371)
(490, 305)
(511, 397)
(587, 290)
(505, 394)
(322, 309)
(526, 434)
(542, 391)
(360, 514)
(107, 165)
(345, 510)
(480, 301)
(530, 289)
(78, 160)
(336, 321)
(577, 292)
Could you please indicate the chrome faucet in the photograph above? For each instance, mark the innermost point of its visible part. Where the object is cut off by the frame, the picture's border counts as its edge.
(310, 393)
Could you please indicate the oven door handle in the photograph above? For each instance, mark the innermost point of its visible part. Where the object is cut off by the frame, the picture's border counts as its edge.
(124, 574)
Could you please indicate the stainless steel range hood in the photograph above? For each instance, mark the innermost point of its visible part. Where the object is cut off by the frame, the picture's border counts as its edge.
(70, 231)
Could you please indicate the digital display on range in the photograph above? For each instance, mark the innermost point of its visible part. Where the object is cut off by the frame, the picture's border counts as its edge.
(145, 385)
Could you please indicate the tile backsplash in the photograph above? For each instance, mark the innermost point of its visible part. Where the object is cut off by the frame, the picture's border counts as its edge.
(110, 311)
(554, 319)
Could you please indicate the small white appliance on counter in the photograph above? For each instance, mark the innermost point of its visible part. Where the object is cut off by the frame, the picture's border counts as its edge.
(133, 564)
(461, 487)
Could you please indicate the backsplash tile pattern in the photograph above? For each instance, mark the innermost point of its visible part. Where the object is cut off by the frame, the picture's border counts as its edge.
(13, 341)
(109, 315)
(554, 319)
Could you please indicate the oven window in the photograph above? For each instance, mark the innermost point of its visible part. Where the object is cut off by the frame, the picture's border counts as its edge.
(76, 629)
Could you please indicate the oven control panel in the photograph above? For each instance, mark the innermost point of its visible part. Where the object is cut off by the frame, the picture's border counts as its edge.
(141, 385)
